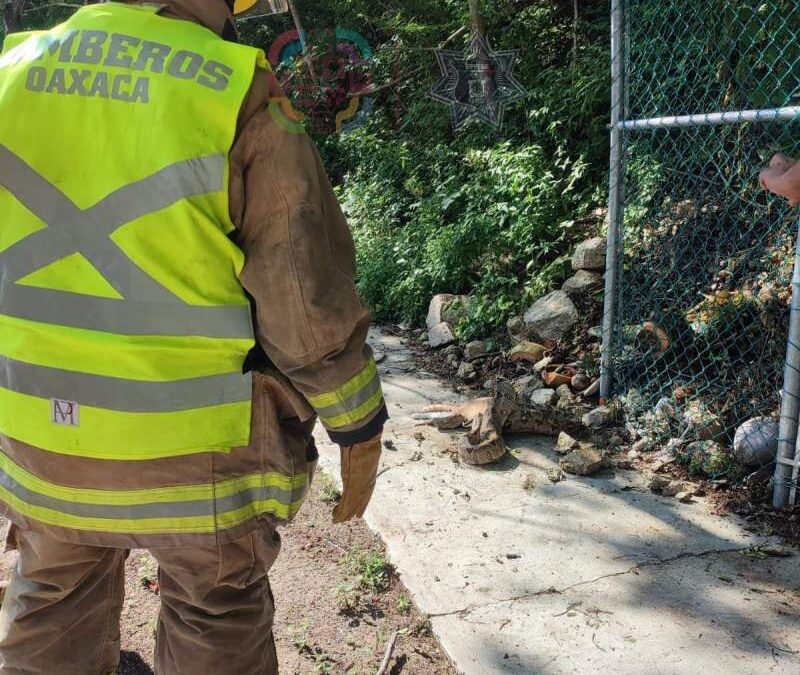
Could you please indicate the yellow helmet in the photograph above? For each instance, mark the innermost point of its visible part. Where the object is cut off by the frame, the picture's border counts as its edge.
(259, 7)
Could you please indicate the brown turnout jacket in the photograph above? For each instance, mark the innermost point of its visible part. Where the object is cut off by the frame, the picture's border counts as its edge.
(310, 323)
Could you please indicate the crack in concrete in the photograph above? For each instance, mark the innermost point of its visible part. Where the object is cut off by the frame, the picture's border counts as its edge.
(654, 562)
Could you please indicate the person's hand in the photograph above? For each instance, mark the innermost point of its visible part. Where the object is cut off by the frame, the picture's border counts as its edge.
(359, 472)
(782, 177)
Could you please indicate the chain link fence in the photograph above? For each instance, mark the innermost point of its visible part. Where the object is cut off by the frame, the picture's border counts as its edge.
(700, 272)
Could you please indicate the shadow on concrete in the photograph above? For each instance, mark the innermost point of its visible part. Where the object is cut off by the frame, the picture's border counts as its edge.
(630, 553)
(508, 463)
(696, 579)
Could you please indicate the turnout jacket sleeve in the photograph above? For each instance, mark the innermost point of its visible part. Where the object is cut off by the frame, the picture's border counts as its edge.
(300, 268)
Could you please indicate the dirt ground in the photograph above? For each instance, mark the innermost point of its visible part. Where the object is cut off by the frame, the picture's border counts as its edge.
(339, 603)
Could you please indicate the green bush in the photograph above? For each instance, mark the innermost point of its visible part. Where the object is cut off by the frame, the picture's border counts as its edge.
(478, 211)
(490, 222)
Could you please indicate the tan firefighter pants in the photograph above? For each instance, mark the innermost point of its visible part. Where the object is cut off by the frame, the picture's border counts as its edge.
(62, 609)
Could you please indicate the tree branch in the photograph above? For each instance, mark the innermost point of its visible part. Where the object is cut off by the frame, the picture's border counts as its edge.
(12, 15)
(576, 20)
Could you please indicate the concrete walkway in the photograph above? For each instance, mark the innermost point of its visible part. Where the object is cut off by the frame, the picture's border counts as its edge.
(593, 575)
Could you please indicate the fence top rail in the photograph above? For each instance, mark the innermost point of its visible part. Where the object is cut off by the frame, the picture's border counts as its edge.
(711, 119)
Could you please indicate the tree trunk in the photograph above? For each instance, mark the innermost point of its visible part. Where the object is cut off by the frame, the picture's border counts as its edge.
(12, 15)
(478, 24)
(308, 58)
(480, 51)
(575, 32)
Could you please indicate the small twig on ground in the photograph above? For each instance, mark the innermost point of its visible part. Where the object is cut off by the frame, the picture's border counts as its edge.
(336, 546)
(594, 641)
(388, 654)
(571, 607)
(785, 651)
(487, 355)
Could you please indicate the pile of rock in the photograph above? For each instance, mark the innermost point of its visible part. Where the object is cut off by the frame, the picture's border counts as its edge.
(543, 361)
(544, 366)
(686, 428)
(551, 318)
(580, 459)
(547, 368)
(588, 263)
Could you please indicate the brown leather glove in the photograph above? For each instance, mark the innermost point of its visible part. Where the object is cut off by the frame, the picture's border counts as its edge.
(359, 472)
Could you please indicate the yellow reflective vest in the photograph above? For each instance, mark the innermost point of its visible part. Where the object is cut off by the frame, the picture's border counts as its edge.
(123, 326)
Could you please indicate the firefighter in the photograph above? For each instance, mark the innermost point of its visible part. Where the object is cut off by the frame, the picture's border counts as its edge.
(177, 309)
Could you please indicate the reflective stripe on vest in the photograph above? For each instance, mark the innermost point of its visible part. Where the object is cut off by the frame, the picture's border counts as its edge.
(119, 394)
(192, 508)
(72, 230)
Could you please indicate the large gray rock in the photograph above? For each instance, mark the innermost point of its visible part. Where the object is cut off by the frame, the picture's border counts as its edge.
(441, 335)
(756, 442)
(584, 461)
(598, 418)
(446, 308)
(590, 255)
(583, 283)
(436, 308)
(552, 317)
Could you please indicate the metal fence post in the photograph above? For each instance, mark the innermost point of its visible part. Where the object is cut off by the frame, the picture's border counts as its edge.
(786, 467)
(616, 186)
